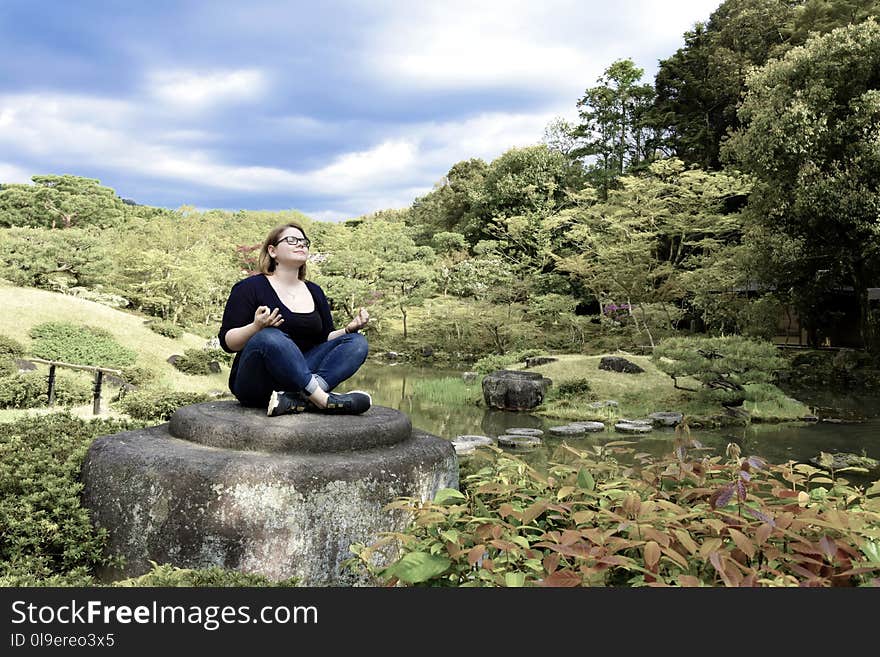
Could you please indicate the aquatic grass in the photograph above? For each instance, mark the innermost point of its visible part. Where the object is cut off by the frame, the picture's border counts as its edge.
(448, 390)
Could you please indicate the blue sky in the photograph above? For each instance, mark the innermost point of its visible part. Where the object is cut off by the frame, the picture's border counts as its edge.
(335, 109)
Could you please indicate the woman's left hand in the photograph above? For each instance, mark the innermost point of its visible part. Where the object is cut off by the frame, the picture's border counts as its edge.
(360, 321)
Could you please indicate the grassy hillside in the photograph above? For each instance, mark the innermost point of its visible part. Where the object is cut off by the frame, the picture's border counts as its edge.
(24, 308)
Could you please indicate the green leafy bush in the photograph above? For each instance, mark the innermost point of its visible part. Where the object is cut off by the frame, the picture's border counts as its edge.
(166, 328)
(494, 362)
(80, 345)
(158, 404)
(10, 348)
(7, 367)
(31, 389)
(572, 388)
(137, 375)
(24, 390)
(612, 517)
(47, 537)
(196, 361)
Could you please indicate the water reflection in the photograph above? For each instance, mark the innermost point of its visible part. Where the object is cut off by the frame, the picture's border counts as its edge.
(392, 386)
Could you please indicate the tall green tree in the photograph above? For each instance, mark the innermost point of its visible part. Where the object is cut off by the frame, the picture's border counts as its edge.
(450, 206)
(52, 259)
(699, 88)
(60, 202)
(811, 125)
(613, 130)
(637, 247)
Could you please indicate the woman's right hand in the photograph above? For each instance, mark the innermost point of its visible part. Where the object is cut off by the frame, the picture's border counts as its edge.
(265, 319)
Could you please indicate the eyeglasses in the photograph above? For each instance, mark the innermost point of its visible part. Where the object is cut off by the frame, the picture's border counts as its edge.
(295, 241)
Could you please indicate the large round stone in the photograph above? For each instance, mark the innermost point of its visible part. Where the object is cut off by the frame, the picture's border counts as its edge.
(200, 492)
(513, 390)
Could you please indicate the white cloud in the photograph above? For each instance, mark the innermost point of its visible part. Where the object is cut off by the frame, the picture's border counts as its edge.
(560, 45)
(198, 90)
(9, 173)
(42, 126)
(404, 164)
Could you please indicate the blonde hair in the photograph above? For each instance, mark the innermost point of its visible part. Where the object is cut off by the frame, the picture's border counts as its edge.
(267, 262)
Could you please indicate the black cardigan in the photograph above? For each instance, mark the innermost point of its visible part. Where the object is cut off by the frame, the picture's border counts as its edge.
(255, 291)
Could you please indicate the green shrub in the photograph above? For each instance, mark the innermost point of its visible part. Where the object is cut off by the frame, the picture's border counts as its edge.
(494, 362)
(137, 375)
(573, 388)
(196, 361)
(7, 367)
(31, 389)
(24, 390)
(168, 575)
(10, 348)
(157, 404)
(166, 328)
(47, 537)
(81, 345)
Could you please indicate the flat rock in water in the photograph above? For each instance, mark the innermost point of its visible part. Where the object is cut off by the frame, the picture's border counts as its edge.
(633, 427)
(666, 419)
(590, 426)
(467, 444)
(568, 430)
(524, 431)
(522, 442)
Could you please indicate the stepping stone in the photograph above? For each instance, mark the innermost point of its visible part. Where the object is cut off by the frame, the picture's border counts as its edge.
(522, 442)
(524, 431)
(568, 430)
(590, 426)
(603, 404)
(633, 427)
(468, 444)
(666, 419)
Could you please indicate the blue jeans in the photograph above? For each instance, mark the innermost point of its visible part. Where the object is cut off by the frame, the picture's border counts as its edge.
(271, 361)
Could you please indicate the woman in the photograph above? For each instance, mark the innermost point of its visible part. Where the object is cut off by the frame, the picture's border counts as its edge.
(289, 356)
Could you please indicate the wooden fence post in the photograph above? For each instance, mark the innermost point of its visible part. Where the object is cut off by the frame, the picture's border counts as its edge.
(96, 406)
(51, 386)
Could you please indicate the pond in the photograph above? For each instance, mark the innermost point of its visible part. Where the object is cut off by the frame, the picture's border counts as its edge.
(856, 427)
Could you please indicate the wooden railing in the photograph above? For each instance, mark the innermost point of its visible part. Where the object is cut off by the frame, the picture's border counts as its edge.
(99, 378)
